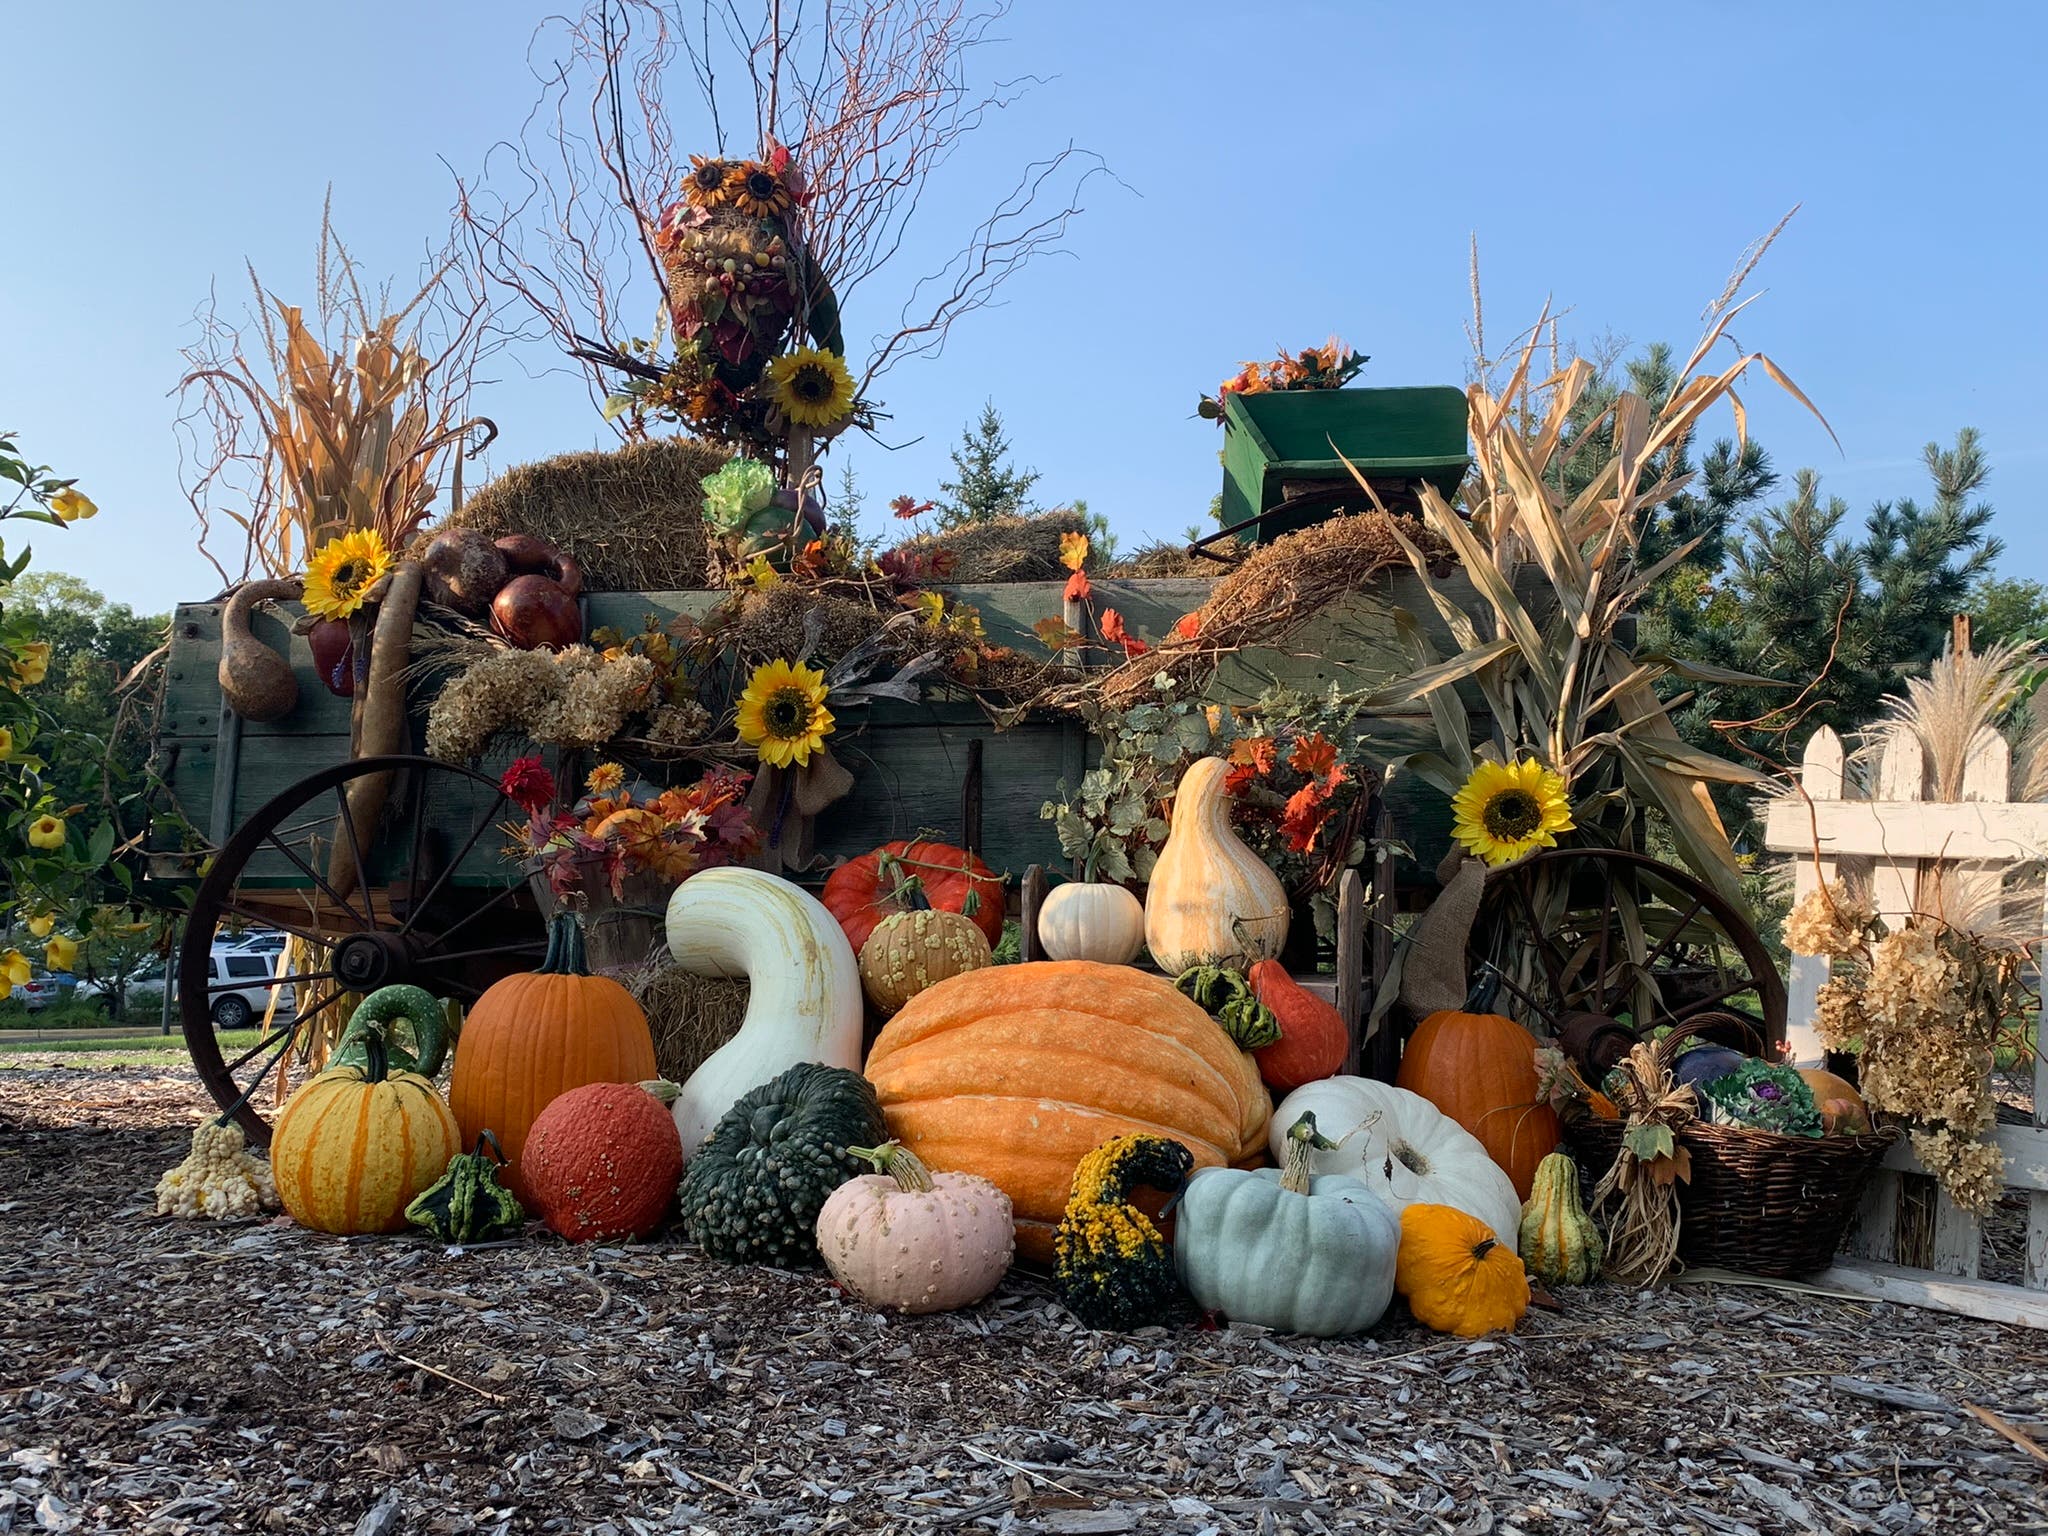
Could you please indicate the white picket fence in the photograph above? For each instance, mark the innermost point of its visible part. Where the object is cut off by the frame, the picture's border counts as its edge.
(1896, 840)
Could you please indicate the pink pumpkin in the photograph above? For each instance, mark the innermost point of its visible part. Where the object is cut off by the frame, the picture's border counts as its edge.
(603, 1160)
(906, 1239)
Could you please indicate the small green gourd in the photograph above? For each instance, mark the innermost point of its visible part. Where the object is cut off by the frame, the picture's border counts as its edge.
(425, 1015)
(1558, 1241)
(469, 1205)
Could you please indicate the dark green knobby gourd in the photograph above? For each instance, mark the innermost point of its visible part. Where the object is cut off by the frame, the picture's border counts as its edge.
(469, 1205)
(752, 1191)
(424, 1014)
(1115, 1268)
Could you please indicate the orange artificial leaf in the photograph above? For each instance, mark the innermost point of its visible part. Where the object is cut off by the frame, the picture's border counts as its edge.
(1114, 632)
(1079, 588)
(1189, 625)
(1073, 550)
(1303, 818)
(1258, 753)
(1056, 635)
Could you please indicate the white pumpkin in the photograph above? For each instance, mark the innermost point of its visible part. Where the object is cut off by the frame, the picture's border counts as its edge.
(804, 998)
(1411, 1154)
(1080, 921)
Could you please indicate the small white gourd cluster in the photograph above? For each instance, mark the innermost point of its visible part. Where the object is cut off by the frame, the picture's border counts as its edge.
(219, 1178)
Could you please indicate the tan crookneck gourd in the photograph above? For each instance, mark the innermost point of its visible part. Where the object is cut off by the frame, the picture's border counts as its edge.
(1212, 901)
(1559, 1243)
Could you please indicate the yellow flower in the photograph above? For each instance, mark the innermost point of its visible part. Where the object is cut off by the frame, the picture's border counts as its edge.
(6, 743)
(46, 831)
(342, 571)
(41, 923)
(73, 505)
(14, 971)
(32, 663)
(811, 387)
(783, 715)
(60, 954)
(605, 778)
(756, 191)
(704, 187)
(1505, 812)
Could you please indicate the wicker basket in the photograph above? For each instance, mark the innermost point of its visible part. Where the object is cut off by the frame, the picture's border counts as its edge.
(1757, 1201)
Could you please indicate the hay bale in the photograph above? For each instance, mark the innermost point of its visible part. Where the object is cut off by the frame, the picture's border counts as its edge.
(633, 517)
(689, 1016)
(1004, 549)
(1168, 559)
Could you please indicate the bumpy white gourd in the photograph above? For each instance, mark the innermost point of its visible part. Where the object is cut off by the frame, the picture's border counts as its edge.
(804, 1000)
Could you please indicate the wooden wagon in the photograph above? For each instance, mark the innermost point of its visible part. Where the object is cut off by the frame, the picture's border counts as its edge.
(442, 907)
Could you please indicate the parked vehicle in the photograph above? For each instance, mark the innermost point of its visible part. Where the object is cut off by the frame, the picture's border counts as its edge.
(236, 1006)
(44, 988)
(256, 941)
(145, 988)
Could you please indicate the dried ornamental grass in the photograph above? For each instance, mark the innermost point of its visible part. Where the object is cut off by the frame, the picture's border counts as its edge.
(1004, 549)
(633, 517)
(568, 698)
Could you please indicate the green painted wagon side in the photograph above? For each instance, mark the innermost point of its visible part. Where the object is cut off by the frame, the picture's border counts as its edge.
(1285, 437)
(910, 761)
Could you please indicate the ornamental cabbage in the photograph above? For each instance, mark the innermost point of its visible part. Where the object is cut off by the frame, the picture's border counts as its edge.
(1762, 1096)
(736, 492)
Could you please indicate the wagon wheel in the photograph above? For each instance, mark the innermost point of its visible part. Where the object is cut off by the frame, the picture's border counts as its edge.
(1611, 934)
(407, 922)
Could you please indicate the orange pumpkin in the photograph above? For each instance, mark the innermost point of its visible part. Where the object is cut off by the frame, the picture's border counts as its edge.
(1842, 1110)
(533, 1037)
(1017, 1072)
(1480, 1069)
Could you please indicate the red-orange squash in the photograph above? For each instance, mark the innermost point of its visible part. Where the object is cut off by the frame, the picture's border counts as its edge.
(863, 891)
(1312, 1040)
(1480, 1069)
(1017, 1072)
(535, 1036)
(603, 1160)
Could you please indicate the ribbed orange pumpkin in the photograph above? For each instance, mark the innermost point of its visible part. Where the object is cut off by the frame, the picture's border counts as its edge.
(532, 1037)
(1480, 1069)
(1017, 1072)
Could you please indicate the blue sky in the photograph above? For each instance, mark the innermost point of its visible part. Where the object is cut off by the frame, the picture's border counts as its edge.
(1290, 169)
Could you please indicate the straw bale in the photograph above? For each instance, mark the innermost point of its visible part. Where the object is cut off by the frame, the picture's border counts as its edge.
(1004, 549)
(689, 1016)
(632, 517)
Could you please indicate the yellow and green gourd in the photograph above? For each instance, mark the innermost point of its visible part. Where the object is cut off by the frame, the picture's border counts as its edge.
(1559, 1243)
(1115, 1268)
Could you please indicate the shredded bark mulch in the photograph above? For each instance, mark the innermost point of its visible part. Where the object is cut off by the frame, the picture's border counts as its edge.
(163, 1376)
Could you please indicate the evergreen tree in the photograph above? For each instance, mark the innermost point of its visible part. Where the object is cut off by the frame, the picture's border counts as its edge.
(987, 485)
(849, 506)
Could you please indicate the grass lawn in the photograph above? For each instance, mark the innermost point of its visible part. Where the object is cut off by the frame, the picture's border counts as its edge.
(142, 1048)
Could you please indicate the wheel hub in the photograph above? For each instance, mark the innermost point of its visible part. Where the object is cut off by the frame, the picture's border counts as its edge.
(363, 962)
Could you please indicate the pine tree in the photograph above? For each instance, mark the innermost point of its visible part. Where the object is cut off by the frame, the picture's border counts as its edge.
(987, 485)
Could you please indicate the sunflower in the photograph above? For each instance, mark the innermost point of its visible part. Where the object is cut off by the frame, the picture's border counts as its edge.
(756, 191)
(783, 714)
(1505, 812)
(705, 186)
(342, 571)
(811, 387)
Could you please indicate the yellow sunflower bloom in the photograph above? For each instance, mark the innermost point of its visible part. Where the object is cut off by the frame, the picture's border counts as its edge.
(704, 187)
(73, 505)
(782, 714)
(60, 953)
(14, 971)
(32, 663)
(1504, 812)
(342, 571)
(756, 191)
(46, 831)
(811, 387)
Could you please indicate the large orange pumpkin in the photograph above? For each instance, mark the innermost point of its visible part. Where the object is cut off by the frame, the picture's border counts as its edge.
(1017, 1072)
(1480, 1069)
(863, 891)
(537, 1035)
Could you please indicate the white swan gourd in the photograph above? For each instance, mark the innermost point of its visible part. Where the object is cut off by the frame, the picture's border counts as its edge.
(803, 1000)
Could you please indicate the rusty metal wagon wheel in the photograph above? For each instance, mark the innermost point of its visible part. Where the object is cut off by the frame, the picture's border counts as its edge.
(1586, 934)
(409, 921)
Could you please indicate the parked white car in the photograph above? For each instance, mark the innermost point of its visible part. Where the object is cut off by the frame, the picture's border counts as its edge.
(237, 1007)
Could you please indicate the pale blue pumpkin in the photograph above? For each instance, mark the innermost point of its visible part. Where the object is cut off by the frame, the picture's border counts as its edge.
(1285, 1249)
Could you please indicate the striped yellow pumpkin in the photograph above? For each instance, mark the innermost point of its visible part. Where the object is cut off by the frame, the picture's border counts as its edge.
(356, 1144)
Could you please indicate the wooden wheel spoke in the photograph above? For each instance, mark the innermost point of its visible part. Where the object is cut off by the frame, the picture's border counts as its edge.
(463, 922)
(441, 879)
(358, 852)
(304, 931)
(319, 879)
(264, 982)
(521, 947)
(241, 1061)
(1664, 944)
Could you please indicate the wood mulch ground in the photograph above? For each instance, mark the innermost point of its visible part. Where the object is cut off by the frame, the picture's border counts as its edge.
(162, 1376)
